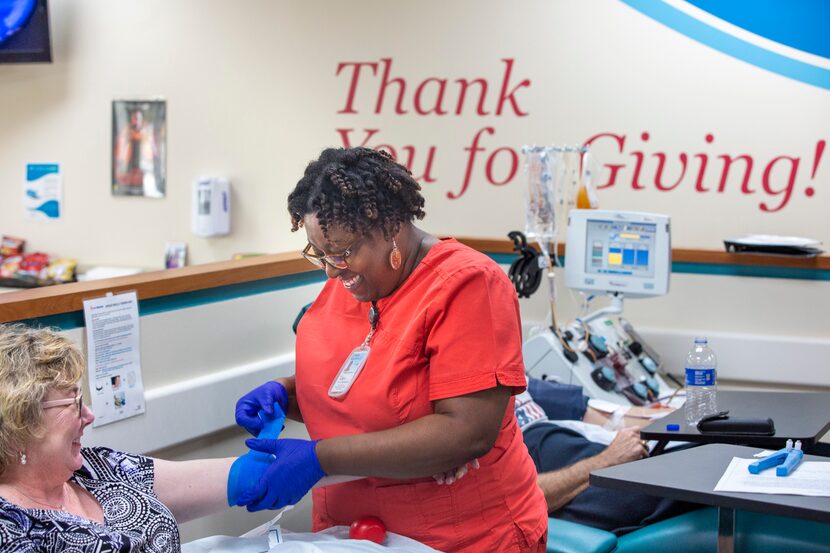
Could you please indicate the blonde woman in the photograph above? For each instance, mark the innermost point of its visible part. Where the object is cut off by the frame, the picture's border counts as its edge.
(56, 495)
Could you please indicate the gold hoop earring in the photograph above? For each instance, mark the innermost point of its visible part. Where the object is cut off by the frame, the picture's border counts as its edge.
(395, 256)
(23, 459)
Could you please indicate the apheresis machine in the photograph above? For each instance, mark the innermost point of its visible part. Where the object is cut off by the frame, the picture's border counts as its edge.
(617, 254)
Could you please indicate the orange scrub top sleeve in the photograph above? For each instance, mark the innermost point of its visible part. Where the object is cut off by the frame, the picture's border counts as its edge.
(475, 337)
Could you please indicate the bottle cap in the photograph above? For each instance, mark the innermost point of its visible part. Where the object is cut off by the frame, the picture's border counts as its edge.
(672, 427)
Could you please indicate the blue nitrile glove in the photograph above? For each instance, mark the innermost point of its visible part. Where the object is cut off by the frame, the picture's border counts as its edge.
(259, 399)
(247, 470)
(290, 476)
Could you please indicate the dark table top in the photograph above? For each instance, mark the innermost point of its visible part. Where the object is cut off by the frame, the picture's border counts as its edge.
(691, 475)
(801, 416)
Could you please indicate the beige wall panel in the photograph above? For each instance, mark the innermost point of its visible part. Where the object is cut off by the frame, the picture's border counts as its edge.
(253, 94)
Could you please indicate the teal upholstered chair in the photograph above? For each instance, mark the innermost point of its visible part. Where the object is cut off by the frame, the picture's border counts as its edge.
(570, 537)
(695, 532)
(772, 534)
(698, 530)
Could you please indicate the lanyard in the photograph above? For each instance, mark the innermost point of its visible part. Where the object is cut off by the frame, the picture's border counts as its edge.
(356, 360)
(374, 317)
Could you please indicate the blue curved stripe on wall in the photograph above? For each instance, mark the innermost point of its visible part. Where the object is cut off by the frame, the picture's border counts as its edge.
(733, 46)
(800, 24)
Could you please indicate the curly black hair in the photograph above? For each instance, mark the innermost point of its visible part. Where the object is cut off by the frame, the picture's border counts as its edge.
(358, 189)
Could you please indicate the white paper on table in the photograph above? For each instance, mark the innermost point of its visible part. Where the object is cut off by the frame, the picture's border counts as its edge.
(606, 407)
(113, 357)
(764, 453)
(809, 478)
(98, 273)
(774, 240)
(591, 432)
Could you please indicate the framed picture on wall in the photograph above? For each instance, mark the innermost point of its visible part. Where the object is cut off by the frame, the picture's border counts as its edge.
(139, 148)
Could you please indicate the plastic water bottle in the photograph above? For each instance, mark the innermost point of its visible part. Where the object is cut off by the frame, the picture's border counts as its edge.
(701, 382)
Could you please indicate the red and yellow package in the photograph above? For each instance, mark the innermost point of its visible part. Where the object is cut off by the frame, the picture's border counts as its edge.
(9, 266)
(34, 265)
(11, 246)
(62, 270)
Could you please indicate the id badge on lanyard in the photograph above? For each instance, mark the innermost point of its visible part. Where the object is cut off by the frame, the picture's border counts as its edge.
(349, 371)
(356, 360)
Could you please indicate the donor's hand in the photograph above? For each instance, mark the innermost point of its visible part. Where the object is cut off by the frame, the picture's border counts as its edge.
(292, 474)
(451, 476)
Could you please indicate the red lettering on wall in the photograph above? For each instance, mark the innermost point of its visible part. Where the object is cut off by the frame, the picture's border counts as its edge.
(409, 162)
(473, 149)
(514, 166)
(788, 188)
(658, 176)
(778, 179)
(727, 165)
(347, 142)
(704, 160)
(638, 166)
(426, 176)
(816, 160)
(385, 82)
(614, 169)
(430, 93)
(505, 96)
(630, 159)
(353, 83)
(436, 107)
(462, 95)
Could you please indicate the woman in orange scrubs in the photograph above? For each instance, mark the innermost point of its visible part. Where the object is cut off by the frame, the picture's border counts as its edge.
(432, 335)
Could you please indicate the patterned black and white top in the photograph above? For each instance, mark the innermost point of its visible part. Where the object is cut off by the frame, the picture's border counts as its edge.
(134, 518)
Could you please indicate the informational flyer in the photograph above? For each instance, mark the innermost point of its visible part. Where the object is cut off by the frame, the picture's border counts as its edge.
(113, 357)
(42, 191)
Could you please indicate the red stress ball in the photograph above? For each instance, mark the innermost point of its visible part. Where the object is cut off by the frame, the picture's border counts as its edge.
(368, 528)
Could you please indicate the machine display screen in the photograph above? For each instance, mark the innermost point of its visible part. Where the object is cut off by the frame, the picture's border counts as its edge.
(620, 248)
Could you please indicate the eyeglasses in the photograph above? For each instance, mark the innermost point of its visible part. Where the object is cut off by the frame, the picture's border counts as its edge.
(77, 400)
(339, 261)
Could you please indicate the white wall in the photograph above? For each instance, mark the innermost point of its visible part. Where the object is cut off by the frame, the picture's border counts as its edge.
(253, 93)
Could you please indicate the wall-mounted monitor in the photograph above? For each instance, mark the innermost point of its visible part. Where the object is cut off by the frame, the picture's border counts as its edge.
(24, 31)
(618, 252)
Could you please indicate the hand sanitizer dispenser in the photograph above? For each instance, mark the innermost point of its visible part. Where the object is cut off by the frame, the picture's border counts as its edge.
(211, 206)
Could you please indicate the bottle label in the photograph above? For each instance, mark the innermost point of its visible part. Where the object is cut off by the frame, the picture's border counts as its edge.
(700, 377)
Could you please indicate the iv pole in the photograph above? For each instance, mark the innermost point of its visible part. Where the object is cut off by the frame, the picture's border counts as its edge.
(547, 203)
